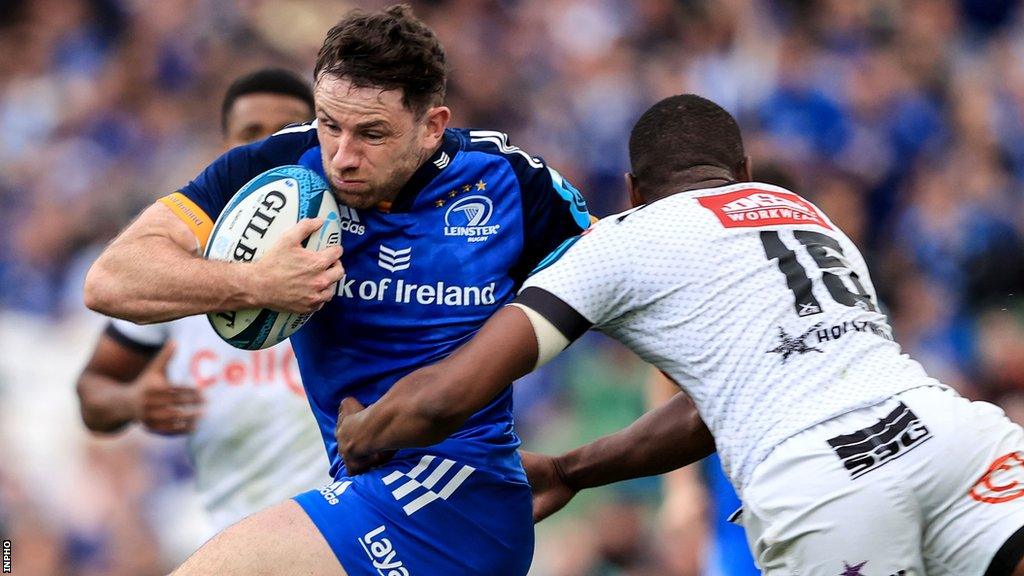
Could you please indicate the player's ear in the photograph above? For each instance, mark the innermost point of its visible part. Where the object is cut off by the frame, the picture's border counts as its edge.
(634, 193)
(436, 120)
(745, 171)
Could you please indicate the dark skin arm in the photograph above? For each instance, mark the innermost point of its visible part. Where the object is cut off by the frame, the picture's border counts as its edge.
(120, 385)
(431, 403)
(428, 405)
(664, 439)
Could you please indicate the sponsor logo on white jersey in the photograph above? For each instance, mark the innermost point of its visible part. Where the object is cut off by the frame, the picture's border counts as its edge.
(382, 553)
(349, 221)
(212, 366)
(469, 217)
(416, 493)
(754, 208)
(1002, 482)
(875, 446)
(394, 260)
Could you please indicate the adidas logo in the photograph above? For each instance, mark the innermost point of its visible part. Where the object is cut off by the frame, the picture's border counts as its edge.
(442, 161)
(332, 491)
(394, 260)
(349, 221)
(420, 493)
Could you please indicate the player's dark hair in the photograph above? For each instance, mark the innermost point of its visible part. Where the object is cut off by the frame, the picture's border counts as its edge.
(266, 81)
(680, 133)
(390, 49)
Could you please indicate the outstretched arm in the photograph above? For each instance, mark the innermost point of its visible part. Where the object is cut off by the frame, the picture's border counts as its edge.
(662, 440)
(426, 406)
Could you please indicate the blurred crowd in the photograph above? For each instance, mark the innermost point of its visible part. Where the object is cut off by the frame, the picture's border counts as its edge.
(902, 119)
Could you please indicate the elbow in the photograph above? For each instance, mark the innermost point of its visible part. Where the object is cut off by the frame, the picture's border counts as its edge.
(103, 293)
(92, 415)
(99, 292)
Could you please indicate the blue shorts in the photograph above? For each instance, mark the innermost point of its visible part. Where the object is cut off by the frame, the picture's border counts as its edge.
(425, 515)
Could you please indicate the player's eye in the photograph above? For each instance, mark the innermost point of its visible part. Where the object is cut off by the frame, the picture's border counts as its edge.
(374, 137)
(331, 127)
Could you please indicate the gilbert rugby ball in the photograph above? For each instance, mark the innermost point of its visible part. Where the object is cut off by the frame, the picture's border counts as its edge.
(253, 220)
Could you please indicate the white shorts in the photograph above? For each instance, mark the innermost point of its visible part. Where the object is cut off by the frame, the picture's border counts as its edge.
(926, 482)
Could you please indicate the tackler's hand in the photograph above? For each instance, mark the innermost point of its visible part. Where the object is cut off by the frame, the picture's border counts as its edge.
(550, 491)
(347, 435)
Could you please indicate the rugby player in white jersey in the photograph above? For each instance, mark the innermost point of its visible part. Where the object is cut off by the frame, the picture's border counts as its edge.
(849, 459)
(181, 378)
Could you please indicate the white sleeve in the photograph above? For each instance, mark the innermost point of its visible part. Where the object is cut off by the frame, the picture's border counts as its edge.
(589, 274)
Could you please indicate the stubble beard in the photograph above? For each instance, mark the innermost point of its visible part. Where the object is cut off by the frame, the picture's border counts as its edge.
(411, 160)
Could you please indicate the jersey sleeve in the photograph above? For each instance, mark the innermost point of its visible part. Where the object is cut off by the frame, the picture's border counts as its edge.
(553, 211)
(583, 283)
(145, 339)
(201, 201)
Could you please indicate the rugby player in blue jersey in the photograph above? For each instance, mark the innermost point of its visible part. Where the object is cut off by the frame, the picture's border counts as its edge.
(440, 228)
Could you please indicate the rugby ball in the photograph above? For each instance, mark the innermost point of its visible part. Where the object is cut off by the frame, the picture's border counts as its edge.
(253, 220)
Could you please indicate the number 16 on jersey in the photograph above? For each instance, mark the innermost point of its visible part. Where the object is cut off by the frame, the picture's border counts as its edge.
(841, 281)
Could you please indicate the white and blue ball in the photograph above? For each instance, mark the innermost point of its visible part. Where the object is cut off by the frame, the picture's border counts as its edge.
(254, 220)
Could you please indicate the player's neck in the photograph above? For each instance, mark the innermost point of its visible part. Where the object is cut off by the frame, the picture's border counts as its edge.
(706, 183)
(694, 179)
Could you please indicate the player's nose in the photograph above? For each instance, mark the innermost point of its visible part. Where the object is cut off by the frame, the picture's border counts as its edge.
(347, 156)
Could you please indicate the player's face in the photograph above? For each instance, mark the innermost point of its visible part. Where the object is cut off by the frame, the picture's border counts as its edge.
(370, 142)
(255, 116)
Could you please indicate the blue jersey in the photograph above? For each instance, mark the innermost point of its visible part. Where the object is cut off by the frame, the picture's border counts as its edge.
(421, 277)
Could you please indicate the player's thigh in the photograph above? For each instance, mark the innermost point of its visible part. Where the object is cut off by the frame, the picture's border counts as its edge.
(806, 512)
(972, 492)
(279, 540)
(425, 514)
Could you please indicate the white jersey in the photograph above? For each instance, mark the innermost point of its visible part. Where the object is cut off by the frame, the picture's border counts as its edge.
(750, 299)
(257, 442)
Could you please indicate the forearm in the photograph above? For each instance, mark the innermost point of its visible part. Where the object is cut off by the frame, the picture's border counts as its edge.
(664, 439)
(152, 279)
(428, 405)
(106, 404)
(404, 417)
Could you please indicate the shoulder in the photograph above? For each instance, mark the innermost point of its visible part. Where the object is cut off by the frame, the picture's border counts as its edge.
(496, 145)
(285, 146)
(667, 222)
(536, 179)
(491, 146)
(238, 165)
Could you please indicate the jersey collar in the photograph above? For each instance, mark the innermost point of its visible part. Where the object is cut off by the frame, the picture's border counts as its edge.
(426, 173)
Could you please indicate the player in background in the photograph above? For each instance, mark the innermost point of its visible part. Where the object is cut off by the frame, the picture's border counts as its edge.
(440, 226)
(181, 378)
(848, 457)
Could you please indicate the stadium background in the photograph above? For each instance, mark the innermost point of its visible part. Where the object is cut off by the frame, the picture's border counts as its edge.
(904, 120)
